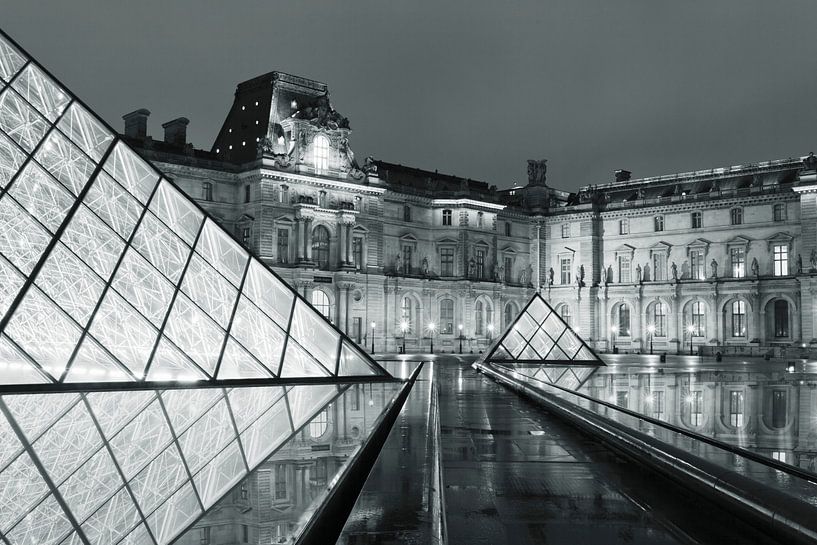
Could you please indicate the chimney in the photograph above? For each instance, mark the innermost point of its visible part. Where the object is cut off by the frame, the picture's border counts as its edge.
(623, 175)
(136, 123)
(176, 131)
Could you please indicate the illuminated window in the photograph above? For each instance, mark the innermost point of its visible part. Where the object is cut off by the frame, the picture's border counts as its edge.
(780, 456)
(564, 312)
(736, 216)
(738, 318)
(410, 315)
(660, 319)
(283, 195)
(447, 316)
(779, 212)
(321, 302)
(696, 264)
(698, 319)
(659, 266)
(207, 191)
(780, 254)
(319, 424)
(624, 269)
(624, 321)
(624, 227)
(565, 270)
(658, 223)
(737, 258)
(736, 409)
(320, 246)
(320, 148)
(447, 261)
(446, 217)
(697, 220)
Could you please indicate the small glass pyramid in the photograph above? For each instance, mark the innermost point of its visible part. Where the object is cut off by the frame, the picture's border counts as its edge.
(540, 345)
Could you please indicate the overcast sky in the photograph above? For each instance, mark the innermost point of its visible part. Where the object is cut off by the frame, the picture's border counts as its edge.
(472, 88)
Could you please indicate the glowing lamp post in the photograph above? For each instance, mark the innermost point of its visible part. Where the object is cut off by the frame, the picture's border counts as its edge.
(460, 328)
(404, 328)
(431, 327)
(490, 332)
(651, 331)
(373, 326)
(690, 330)
(613, 338)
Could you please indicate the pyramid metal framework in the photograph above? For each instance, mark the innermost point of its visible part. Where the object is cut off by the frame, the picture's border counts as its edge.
(541, 345)
(111, 279)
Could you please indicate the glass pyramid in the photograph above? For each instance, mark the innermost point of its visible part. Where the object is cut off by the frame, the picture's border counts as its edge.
(540, 345)
(148, 362)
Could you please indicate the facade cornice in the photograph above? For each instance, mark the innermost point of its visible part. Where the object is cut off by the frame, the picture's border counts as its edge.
(315, 181)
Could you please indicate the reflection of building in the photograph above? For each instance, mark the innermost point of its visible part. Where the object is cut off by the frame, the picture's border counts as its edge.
(277, 499)
(715, 257)
(772, 413)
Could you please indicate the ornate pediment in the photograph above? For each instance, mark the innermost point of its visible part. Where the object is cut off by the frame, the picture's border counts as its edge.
(738, 241)
(780, 238)
(661, 247)
(625, 249)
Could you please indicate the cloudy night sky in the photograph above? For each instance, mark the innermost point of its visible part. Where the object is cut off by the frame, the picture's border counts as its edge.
(472, 88)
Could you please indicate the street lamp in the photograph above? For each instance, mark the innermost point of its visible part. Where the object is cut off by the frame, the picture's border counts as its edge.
(651, 331)
(431, 327)
(490, 333)
(404, 328)
(460, 328)
(373, 325)
(613, 330)
(690, 330)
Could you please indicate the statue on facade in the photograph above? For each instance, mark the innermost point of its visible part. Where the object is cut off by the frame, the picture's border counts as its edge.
(550, 276)
(714, 266)
(638, 273)
(674, 269)
(537, 171)
(608, 274)
(398, 264)
(810, 162)
(523, 276)
(425, 266)
(799, 264)
(529, 273)
(581, 276)
(369, 166)
(755, 267)
(472, 268)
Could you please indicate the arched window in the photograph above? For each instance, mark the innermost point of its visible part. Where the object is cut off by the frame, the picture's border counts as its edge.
(319, 424)
(623, 320)
(738, 318)
(320, 246)
(320, 149)
(510, 315)
(447, 316)
(564, 312)
(660, 319)
(698, 319)
(781, 318)
(321, 303)
(483, 317)
(489, 318)
(406, 213)
(410, 315)
(480, 326)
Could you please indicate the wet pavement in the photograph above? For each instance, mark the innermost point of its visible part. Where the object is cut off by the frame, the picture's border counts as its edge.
(513, 473)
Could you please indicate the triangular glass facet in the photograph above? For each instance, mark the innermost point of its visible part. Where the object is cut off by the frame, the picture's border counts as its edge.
(352, 363)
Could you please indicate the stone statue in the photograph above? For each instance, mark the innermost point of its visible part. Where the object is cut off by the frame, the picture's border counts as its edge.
(714, 266)
(638, 273)
(674, 269)
(472, 268)
(523, 276)
(425, 266)
(799, 264)
(499, 272)
(369, 166)
(810, 162)
(346, 151)
(398, 264)
(608, 274)
(537, 171)
(529, 274)
(550, 276)
(755, 267)
(813, 260)
(581, 275)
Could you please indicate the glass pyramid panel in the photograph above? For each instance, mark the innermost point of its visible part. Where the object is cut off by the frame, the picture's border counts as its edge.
(552, 351)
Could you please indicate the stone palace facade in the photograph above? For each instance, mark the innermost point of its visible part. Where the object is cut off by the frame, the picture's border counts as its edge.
(723, 258)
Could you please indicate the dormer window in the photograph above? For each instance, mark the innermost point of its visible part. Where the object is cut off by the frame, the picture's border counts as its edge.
(320, 149)
(624, 227)
(736, 216)
(446, 217)
(696, 220)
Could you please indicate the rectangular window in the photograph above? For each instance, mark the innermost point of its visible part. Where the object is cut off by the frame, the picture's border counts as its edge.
(737, 258)
(283, 246)
(245, 491)
(738, 318)
(446, 316)
(659, 266)
(780, 253)
(697, 220)
(245, 533)
(698, 319)
(566, 266)
(357, 252)
(508, 269)
(781, 319)
(357, 329)
(780, 212)
(406, 213)
(565, 230)
(697, 267)
(624, 227)
(623, 321)
(447, 262)
(356, 397)
(245, 236)
(779, 408)
(207, 191)
(780, 456)
(480, 264)
(204, 535)
(660, 320)
(507, 228)
(280, 481)
(247, 193)
(407, 251)
(658, 405)
(736, 216)
(283, 195)
(736, 409)
(624, 269)
(659, 223)
(696, 415)
(446, 217)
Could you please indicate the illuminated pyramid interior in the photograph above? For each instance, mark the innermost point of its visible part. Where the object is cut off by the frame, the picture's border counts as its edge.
(540, 345)
(112, 279)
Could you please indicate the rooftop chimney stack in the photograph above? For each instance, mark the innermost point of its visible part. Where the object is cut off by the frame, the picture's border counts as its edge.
(136, 123)
(623, 175)
(176, 131)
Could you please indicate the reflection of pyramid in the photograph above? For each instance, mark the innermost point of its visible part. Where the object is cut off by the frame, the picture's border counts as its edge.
(541, 345)
(111, 279)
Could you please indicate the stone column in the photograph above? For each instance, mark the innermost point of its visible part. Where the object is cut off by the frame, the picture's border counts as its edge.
(796, 333)
(308, 238)
(761, 326)
(604, 333)
(343, 255)
(300, 238)
(637, 332)
(343, 294)
(349, 241)
(758, 322)
(716, 311)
